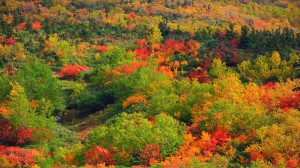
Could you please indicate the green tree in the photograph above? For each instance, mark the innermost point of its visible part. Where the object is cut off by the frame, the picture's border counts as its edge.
(39, 83)
(132, 132)
(5, 87)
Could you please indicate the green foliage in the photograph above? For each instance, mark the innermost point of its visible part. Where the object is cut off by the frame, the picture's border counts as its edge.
(39, 83)
(5, 87)
(20, 106)
(264, 69)
(131, 133)
(71, 155)
(234, 117)
(114, 57)
(218, 68)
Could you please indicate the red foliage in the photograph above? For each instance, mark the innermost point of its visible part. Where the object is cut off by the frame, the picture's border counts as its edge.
(14, 136)
(269, 85)
(11, 41)
(21, 26)
(234, 50)
(73, 70)
(142, 52)
(141, 42)
(2, 40)
(206, 63)
(151, 154)
(218, 139)
(152, 120)
(291, 101)
(201, 76)
(23, 135)
(36, 25)
(170, 47)
(98, 155)
(17, 157)
(221, 50)
(177, 46)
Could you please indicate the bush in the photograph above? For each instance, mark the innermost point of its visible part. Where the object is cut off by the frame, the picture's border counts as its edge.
(38, 82)
(130, 133)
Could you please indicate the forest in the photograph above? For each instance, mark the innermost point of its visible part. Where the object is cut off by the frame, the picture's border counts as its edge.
(149, 83)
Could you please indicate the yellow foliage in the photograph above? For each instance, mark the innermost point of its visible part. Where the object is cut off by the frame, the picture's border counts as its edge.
(205, 136)
(155, 36)
(275, 59)
(228, 88)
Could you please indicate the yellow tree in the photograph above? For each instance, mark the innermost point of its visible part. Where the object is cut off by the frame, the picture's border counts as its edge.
(155, 36)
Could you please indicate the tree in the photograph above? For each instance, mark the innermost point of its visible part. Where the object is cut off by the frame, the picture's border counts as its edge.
(155, 36)
(38, 82)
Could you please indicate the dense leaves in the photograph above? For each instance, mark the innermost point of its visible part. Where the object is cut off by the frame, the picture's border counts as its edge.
(149, 83)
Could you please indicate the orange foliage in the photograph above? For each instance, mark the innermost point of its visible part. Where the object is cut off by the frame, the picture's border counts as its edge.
(128, 69)
(36, 26)
(293, 162)
(151, 154)
(193, 47)
(17, 157)
(259, 25)
(165, 70)
(202, 148)
(4, 112)
(100, 48)
(255, 156)
(134, 100)
(192, 148)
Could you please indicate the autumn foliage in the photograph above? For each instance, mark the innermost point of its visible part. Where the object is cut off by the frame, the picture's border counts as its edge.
(14, 136)
(98, 155)
(72, 70)
(36, 26)
(17, 157)
(149, 83)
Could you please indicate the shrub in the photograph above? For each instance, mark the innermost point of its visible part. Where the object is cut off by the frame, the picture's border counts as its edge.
(38, 82)
(130, 133)
(98, 155)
